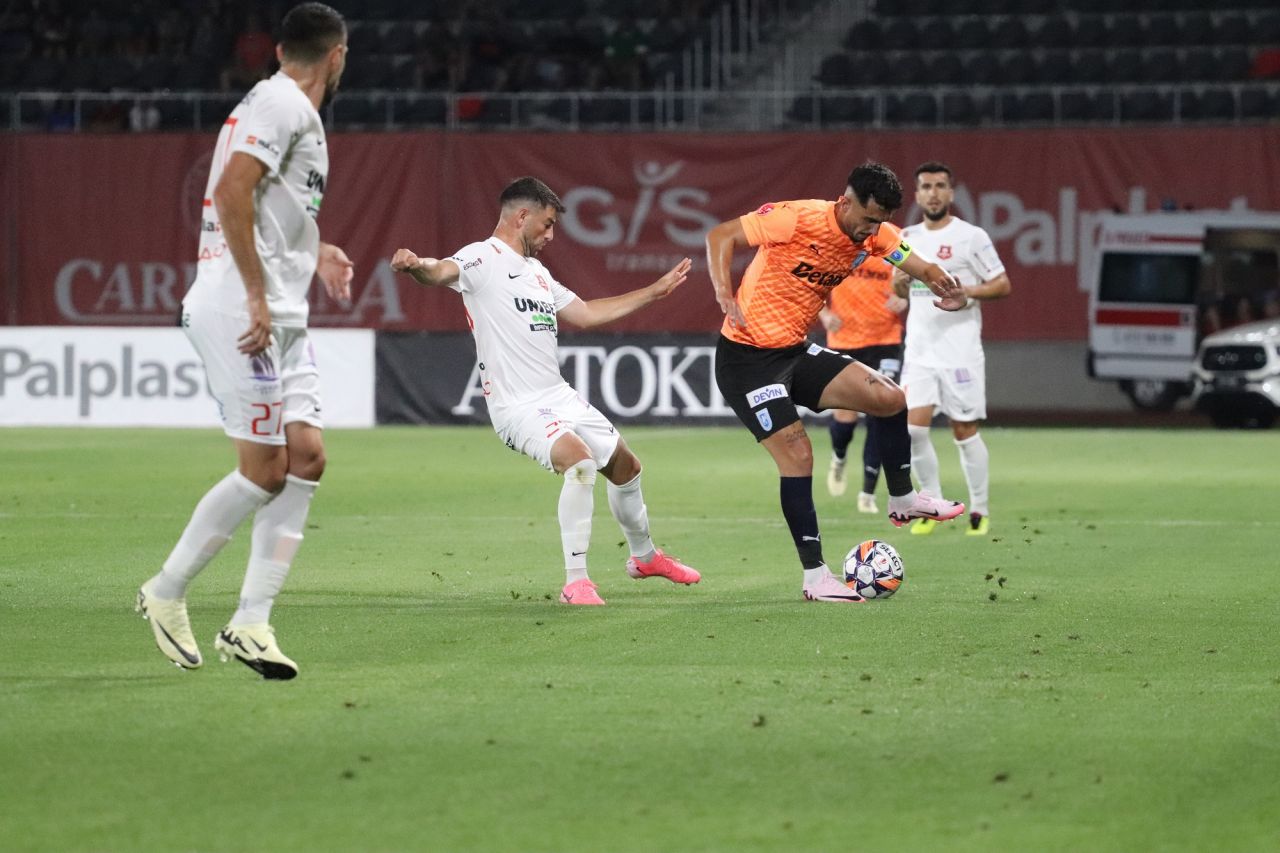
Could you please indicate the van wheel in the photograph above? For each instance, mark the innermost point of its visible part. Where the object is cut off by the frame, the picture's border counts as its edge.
(1153, 395)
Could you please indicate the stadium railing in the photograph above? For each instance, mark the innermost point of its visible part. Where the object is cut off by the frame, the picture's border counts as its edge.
(669, 110)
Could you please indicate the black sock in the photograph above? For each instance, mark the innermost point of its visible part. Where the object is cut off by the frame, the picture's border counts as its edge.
(841, 435)
(895, 452)
(802, 518)
(871, 458)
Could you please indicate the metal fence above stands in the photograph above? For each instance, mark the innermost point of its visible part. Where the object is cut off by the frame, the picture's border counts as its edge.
(669, 110)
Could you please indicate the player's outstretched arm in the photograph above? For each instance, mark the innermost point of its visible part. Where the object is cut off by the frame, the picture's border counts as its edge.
(721, 241)
(949, 292)
(598, 312)
(429, 271)
(994, 288)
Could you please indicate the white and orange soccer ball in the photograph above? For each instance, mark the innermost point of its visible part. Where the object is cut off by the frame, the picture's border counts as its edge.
(873, 569)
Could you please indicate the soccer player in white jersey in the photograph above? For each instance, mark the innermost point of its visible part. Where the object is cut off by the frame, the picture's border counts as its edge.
(944, 366)
(246, 315)
(514, 306)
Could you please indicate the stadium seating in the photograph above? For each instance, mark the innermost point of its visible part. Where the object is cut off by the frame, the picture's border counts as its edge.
(975, 61)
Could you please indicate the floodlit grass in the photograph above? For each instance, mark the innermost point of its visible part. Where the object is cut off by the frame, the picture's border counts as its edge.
(1102, 673)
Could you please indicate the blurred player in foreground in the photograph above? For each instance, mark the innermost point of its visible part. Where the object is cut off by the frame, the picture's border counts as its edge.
(514, 307)
(246, 315)
(765, 368)
(945, 366)
(863, 319)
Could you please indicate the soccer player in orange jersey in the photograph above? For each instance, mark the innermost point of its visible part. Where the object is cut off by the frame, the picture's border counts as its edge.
(765, 368)
(863, 319)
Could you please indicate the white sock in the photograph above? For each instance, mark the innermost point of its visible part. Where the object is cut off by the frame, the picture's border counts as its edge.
(976, 463)
(924, 460)
(577, 501)
(215, 518)
(277, 533)
(627, 504)
(812, 576)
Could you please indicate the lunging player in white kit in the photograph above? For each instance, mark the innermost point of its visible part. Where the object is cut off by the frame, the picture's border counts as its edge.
(514, 306)
(944, 366)
(246, 315)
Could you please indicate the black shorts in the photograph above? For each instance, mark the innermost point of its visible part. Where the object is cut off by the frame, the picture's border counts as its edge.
(764, 386)
(886, 358)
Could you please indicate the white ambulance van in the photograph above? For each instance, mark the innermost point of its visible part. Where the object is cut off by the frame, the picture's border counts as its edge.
(1159, 282)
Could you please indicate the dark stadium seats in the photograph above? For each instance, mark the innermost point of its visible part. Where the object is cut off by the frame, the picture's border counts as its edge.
(176, 114)
(1053, 32)
(353, 110)
(1126, 67)
(1009, 34)
(1127, 31)
(1146, 107)
(1259, 103)
(1159, 65)
(420, 110)
(912, 109)
(1026, 61)
(1207, 105)
(1088, 107)
(959, 108)
(848, 109)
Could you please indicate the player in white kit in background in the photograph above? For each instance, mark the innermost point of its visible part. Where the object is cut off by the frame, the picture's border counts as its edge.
(514, 306)
(944, 366)
(246, 315)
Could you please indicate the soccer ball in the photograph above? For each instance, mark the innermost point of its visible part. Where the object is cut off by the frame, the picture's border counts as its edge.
(873, 569)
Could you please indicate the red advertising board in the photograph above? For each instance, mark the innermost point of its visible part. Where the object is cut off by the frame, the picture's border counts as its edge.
(102, 229)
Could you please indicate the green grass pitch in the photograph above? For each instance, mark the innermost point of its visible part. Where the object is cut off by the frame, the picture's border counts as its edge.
(1102, 673)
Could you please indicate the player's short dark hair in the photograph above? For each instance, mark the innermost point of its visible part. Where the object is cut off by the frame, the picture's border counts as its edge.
(933, 166)
(310, 30)
(531, 189)
(876, 181)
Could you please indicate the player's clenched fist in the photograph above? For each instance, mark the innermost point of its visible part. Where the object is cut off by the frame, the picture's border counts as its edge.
(404, 260)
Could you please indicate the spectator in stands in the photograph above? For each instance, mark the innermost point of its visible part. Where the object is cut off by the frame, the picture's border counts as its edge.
(1266, 65)
(52, 31)
(144, 116)
(625, 50)
(61, 117)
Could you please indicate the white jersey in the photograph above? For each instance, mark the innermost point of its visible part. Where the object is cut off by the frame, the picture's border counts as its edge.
(511, 306)
(937, 338)
(277, 124)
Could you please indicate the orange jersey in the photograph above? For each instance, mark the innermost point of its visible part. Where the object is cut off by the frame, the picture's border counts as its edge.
(802, 255)
(859, 303)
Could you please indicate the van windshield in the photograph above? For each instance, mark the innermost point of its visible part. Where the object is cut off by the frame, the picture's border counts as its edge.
(1138, 277)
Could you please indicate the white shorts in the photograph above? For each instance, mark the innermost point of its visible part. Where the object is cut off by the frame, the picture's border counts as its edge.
(960, 392)
(256, 396)
(532, 428)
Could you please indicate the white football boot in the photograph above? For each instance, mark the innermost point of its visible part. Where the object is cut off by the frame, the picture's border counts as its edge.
(170, 625)
(255, 646)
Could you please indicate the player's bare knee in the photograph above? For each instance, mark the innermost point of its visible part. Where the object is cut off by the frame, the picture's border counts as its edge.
(569, 450)
(888, 400)
(308, 465)
(624, 466)
(268, 476)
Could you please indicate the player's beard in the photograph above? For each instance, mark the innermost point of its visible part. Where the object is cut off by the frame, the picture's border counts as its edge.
(940, 215)
(330, 89)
